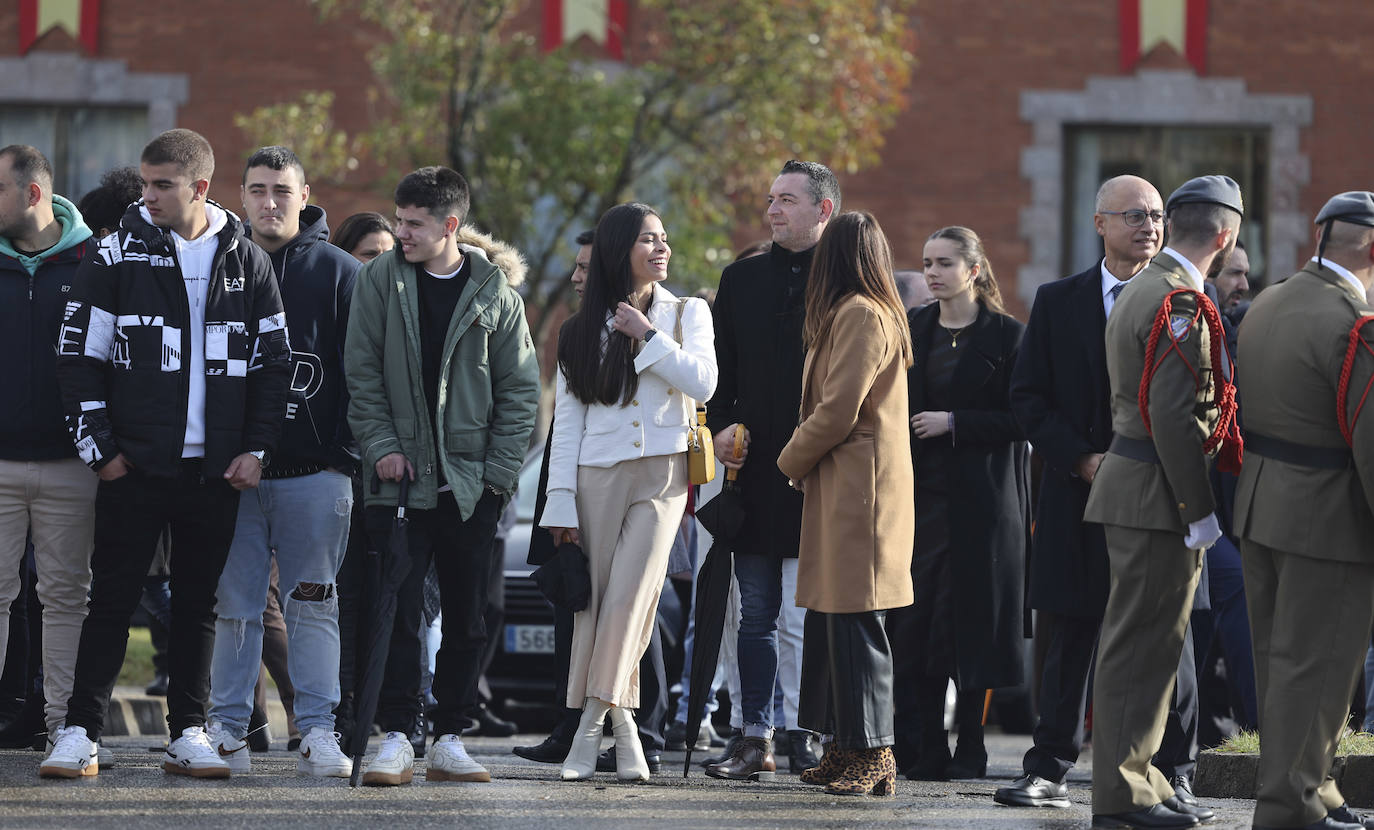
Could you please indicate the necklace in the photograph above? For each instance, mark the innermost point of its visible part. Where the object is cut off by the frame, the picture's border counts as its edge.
(953, 335)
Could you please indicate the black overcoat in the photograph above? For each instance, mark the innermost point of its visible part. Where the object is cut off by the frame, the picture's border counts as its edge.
(759, 312)
(1061, 396)
(989, 506)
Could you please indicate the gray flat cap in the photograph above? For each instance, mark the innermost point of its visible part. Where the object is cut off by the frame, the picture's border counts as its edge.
(1355, 207)
(1217, 190)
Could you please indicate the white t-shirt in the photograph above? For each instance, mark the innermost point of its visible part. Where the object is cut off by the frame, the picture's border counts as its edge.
(197, 259)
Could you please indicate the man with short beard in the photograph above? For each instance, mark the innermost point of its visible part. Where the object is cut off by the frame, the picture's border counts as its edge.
(174, 365)
(45, 490)
(1153, 495)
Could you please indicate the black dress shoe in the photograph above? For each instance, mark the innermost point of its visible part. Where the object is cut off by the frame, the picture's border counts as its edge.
(1033, 791)
(488, 724)
(605, 762)
(551, 751)
(1346, 815)
(1183, 789)
(805, 750)
(1147, 818)
(1197, 811)
(971, 764)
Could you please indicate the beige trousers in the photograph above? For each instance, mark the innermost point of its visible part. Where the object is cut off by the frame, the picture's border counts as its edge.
(55, 502)
(1153, 580)
(629, 515)
(1309, 623)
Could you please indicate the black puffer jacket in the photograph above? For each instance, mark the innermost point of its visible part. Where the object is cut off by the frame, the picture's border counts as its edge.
(120, 366)
(315, 279)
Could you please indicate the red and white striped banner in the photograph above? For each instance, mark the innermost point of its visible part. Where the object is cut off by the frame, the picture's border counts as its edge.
(80, 18)
(601, 20)
(1181, 24)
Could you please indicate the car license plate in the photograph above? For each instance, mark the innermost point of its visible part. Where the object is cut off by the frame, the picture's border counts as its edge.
(529, 639)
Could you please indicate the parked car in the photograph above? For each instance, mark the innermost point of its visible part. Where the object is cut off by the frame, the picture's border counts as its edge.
(523, 667)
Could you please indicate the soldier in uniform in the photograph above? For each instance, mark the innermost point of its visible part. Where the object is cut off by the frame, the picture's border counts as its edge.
(1303, 512)
(1153, 495)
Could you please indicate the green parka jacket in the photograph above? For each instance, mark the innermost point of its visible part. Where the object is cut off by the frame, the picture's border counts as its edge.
(488, 384)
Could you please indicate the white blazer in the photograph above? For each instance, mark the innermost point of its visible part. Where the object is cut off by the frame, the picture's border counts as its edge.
(673, 377)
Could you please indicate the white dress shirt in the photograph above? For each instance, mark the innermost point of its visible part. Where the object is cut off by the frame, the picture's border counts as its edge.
(1109, 281)
(1344, 272)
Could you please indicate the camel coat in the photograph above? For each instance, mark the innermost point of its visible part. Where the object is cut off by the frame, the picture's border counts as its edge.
(852, 453)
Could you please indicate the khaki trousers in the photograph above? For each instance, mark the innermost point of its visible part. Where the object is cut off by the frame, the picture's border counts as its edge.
(1309, 622)
(629, 515)
(1153, 580)
(55, 502)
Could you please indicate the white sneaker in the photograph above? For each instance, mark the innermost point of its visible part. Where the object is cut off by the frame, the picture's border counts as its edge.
(234, 751)
(394, 763)
(449, 761)
(73, 755)
(192, 755)
(320, 755)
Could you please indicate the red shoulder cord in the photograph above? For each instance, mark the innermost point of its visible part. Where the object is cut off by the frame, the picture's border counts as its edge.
(1226, 434)
(1343, 389)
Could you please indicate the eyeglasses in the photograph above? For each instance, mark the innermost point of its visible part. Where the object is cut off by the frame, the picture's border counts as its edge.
(1136, 218)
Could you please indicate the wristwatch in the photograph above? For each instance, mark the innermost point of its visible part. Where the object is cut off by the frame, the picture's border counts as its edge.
(649, 335)
(260, 455)
(497, 490)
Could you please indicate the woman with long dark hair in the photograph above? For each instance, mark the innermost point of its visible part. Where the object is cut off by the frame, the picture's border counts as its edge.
(365, 236)
(849, 457)
(632, 363)
(971, 513)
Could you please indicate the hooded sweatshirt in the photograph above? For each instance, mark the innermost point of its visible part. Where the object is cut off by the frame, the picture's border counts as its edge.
(33, 294)
(316, 282)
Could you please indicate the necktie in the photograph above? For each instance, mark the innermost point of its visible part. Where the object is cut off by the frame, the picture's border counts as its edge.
(1116, 295)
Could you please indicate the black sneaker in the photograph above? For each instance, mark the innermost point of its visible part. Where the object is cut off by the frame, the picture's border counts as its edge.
(550, 751)
(486, 722)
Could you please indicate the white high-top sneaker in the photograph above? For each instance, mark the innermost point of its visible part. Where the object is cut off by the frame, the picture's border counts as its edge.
(73, 755)
(233, 750)
(192, 755)
(320, 755)
(449, 761)
(394, 763)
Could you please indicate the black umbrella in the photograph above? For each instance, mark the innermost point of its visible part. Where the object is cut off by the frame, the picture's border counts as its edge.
(387, 568)
(722, 516)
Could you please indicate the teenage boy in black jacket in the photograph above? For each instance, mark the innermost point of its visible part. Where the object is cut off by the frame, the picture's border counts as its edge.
(174, 365)
(300, 511)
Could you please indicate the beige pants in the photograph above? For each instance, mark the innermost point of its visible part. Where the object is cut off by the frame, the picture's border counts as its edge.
(629, 515)
(1153, 580)
(55, 501)
(1309, 622)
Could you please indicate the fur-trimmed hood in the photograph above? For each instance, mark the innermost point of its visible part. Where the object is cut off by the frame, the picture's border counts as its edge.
(503, 256)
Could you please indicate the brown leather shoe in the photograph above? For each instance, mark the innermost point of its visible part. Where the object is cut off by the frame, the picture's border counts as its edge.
(752, 761)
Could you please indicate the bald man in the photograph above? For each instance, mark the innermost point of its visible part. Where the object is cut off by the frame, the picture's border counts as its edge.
(1060, 395)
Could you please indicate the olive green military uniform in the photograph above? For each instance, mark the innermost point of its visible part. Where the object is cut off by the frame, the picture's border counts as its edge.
(1147, 491)
(1303, 513)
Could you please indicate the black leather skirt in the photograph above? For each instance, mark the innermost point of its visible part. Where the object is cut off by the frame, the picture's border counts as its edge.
(846, 682)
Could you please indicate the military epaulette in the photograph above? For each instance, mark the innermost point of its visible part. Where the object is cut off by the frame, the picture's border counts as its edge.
(1226, 435)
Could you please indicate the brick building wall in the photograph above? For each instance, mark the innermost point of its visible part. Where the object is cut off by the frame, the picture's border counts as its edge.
(954, 157)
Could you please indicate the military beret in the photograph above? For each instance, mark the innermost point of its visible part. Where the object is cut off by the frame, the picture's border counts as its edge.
(1217, 190)
(1355, 207)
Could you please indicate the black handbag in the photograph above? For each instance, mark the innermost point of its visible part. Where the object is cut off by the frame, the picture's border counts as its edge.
(566, 578)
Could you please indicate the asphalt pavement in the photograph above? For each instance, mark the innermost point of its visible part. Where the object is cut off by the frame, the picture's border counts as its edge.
(136, 793)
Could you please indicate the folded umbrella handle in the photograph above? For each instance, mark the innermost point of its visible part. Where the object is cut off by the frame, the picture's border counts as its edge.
(731, 475)
(403, 497)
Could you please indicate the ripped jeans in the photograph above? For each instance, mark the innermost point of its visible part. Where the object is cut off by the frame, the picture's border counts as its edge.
(303, 521)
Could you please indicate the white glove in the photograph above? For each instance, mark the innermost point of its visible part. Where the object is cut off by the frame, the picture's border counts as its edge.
(1203, 533)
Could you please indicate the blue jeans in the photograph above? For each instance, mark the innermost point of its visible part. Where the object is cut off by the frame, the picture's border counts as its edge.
(760, 596)
(303, 521)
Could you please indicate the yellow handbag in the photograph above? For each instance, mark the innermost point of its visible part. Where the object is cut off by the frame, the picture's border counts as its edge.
(701, 450)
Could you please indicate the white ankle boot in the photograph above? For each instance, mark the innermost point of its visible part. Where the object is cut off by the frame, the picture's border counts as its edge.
(586, 744)
(629, 752)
